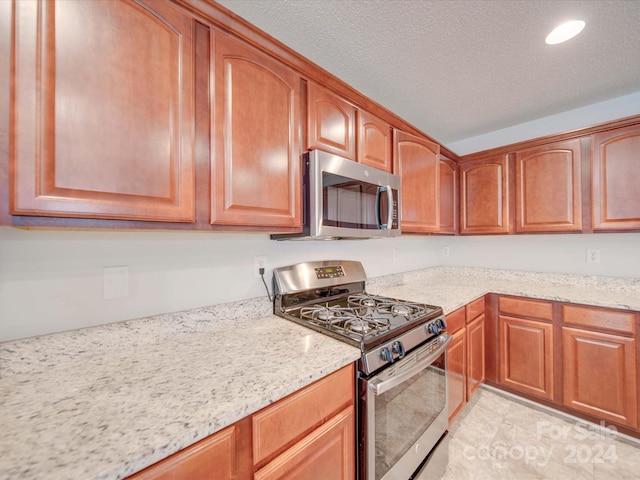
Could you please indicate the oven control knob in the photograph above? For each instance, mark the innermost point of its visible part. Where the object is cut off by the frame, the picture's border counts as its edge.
(433, 328)
(441, 323)
(386, 355)
(398, 348)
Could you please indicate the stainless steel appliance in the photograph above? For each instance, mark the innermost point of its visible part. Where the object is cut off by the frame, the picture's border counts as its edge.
(402, 381)
(346, 199)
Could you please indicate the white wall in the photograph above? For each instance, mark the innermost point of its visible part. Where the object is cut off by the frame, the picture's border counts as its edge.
(52, 280)
(562, 253)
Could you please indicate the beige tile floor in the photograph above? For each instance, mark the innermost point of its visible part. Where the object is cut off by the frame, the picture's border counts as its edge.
(496, 437)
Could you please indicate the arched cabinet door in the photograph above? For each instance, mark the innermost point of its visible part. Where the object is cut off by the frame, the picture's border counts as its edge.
(103, 113)
(256, 163)
(484, 196)
(615, 179)
(374, 142)
(417, 162)
(548, 188)
(331, 123)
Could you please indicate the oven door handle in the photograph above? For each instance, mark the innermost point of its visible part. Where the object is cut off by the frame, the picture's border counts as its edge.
(383, 386)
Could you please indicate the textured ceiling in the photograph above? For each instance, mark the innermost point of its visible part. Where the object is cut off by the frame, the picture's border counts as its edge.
(460, 68)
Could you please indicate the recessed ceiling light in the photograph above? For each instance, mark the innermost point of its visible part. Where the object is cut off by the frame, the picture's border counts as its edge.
(564, 32)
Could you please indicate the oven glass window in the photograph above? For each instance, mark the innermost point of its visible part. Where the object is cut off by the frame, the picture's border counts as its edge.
(405, 412)
(350, 203)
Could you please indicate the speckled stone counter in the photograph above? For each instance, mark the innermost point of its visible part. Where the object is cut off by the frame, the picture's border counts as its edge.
(105, 402)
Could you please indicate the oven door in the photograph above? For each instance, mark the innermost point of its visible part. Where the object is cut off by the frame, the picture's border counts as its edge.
(404, 410)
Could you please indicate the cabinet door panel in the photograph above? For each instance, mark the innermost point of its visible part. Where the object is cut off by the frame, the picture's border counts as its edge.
(374, 142)
(448, 196)
(103, 132)
(457, 373)
(327, 453)
(615, 187)
(255, 175)
(600, 375)
(484, 196)
(548, 188)
(526, 356)
(417, 162)
(331, 123)
(475, 355)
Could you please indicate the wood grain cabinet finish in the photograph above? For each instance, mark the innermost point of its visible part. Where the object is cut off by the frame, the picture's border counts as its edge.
(327, 453)
(331, 122)
(374, 142)
(255, 173)
(484, 196)
(526, 355)
(102, 110)
(219, 456)
(615, 179)
(475, 355)
(448, 196)
(599, 372)
(457, 373)
(417, 162)
(548, 188)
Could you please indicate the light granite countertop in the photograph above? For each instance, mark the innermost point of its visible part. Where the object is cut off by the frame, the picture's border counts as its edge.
(105, 402)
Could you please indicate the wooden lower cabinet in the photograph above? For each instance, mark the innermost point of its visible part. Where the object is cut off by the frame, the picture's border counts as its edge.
(526, 355)
(457, 373)
(475, 355)
(327, 453)
(600, 375)
(223, 455)
(308, 435)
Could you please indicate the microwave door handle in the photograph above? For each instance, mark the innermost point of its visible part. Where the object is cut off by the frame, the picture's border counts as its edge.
(380, 388)
(385, 188)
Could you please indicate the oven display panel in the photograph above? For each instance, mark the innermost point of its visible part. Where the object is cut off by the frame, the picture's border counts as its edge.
(330, 272)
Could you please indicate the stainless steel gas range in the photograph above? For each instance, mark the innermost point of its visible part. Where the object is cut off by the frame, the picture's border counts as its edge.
(402, 373)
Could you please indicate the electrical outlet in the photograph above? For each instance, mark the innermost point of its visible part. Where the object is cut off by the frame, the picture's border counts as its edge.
(445, 251)
(259, 261)
(115, 282)
(593, 255)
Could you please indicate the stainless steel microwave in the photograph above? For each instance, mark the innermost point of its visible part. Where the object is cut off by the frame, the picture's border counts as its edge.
(344, 199)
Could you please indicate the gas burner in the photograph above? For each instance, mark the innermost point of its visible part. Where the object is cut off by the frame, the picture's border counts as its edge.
(401, 309)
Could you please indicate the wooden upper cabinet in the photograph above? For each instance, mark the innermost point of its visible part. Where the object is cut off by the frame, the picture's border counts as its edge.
(256, 161)
(417, 162)
(448, 195)
(374, 142)
(548, 188)
(331, 123)
(484, 196)
(615, 177)
(102, 111)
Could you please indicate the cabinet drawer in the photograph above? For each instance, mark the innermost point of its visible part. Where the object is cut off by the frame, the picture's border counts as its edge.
(474, 309)
(288, 420)
(526, 308)
(602, 319)
(455, 320)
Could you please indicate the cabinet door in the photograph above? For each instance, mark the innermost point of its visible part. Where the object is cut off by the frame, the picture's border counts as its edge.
(457, 373)
(484, 196)
(331, 123)
(327, 453)
(374, 142)
(103, 113)
(448, 195)
(526, 355)
(548, 188)
(255, 174)
(600, 375)
(215, 457)
(475, 355)
(615, 179)
(417, 162)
